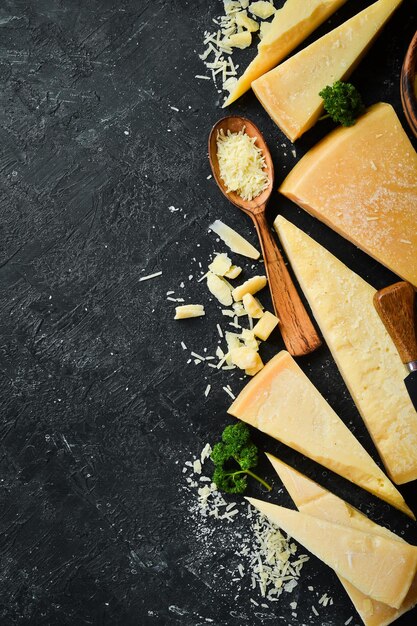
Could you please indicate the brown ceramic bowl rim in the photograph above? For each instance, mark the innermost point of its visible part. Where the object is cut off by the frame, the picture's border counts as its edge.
(408, 84)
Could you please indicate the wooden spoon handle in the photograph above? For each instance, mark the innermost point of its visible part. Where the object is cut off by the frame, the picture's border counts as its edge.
(298, 332)
(395, 305)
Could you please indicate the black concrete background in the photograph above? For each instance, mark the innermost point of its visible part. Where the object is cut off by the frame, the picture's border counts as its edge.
(99, 409)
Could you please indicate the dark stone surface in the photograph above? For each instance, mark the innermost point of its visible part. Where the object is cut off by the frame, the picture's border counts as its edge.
(99, 411)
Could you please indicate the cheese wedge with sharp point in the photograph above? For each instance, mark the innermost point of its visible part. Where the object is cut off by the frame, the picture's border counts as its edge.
(290, 26)
(362, 182)
(342, 303)
(379, 566)
(290, 92)
(311, 498)
(283, 403)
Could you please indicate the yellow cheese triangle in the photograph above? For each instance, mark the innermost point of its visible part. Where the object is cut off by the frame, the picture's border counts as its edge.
(282, 402)
(290, 26)
(361, 181)
(311, 498)
(342, 303)
(380, 567)
(290, 92)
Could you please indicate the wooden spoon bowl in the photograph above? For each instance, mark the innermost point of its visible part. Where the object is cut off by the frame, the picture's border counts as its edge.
(298, 332)
(409, 85)
(235, 124)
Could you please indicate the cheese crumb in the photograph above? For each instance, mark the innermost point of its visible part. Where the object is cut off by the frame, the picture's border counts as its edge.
(262, 9)
(252, 286)
(220, 289)
(189, 310)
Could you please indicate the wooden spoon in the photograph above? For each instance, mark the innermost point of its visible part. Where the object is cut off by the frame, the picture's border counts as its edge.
(409, 85)
(298, 332)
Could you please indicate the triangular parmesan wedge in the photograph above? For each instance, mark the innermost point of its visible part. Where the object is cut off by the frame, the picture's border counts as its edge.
(311, 498)
(290, 26)
(379, 566)
(290, 92)
(361, 181)
(342, 303)
(282, 402)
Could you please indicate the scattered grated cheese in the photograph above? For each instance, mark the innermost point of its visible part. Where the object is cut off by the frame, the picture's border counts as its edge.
(315, 611)
(198, 356)
(183, 346)
(270, 558)
(150, 276)
(234, 29)
(207, 391)
(349, 620)
(230, 393)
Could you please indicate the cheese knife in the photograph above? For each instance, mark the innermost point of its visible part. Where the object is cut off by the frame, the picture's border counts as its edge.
(396, 308)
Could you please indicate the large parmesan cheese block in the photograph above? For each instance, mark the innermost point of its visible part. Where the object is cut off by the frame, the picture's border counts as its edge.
(290, 26)
(310, 498)
(377, 565)
(290, 92)
(282, 402)
(362, 182)
(342, 303)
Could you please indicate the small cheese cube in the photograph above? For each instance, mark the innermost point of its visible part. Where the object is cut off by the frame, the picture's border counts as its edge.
(265, 326)
(254, 284)
(220, 265)
(188, 310)
(236, 242)
(246, 359)
(242, 19)
(252, 306)
(233, 272)
(220, 289)
(238, 40)
(262, 9)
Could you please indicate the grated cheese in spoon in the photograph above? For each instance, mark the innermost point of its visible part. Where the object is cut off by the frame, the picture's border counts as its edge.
(242, 164)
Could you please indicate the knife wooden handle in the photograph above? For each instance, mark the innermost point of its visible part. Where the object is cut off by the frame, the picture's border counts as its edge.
(395, 305)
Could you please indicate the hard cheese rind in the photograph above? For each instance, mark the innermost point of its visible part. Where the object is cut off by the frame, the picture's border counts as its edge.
(282, 402)
(290, 92)
(361, 181)
(342, 303)
(311, 498)
(379, 566)
(290, 26)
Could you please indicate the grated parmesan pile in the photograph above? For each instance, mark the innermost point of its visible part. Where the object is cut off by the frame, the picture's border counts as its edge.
(242, 164)
(268, 557)
(272, 558)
